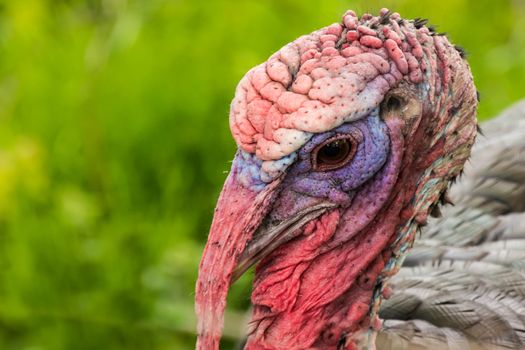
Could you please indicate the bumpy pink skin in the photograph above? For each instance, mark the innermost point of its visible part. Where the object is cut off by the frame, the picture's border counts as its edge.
(331, 76)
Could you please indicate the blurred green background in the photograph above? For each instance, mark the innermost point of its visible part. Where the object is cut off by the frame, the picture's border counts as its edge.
(114, 144)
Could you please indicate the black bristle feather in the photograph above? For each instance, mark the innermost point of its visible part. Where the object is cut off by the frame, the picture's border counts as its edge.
(341, 344)
(461, 51)
(385, 19)
(435, 212)
(478, 96)
(420, 22)
(445, 199)
(480, 131)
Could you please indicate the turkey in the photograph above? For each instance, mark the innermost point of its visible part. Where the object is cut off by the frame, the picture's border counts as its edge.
(348, 140)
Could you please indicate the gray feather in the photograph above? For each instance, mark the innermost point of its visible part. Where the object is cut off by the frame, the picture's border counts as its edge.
(463, 284)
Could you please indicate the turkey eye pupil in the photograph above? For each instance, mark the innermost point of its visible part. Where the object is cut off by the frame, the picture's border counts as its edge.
(333, 154)
(334, 150)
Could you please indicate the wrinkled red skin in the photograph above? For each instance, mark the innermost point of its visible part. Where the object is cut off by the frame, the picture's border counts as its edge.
(308, 294)
(316, 291)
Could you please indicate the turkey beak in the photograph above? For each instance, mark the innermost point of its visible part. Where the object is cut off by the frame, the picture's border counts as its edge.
(270, 236)
(239, 212)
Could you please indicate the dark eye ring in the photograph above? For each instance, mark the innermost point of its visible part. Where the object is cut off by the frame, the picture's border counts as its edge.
(334, 153)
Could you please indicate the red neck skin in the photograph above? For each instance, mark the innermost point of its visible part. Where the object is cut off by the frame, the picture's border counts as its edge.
(317, 289)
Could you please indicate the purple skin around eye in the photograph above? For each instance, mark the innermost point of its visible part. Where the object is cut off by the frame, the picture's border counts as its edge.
(338, 185)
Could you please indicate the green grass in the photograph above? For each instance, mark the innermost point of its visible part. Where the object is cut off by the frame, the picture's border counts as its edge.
(114, 144)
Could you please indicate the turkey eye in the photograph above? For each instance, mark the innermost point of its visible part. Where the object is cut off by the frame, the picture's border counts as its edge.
(333, 154)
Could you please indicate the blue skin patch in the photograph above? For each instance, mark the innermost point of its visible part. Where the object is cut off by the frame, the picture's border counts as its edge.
(371, 154)
(248, 169)
(250, 173)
